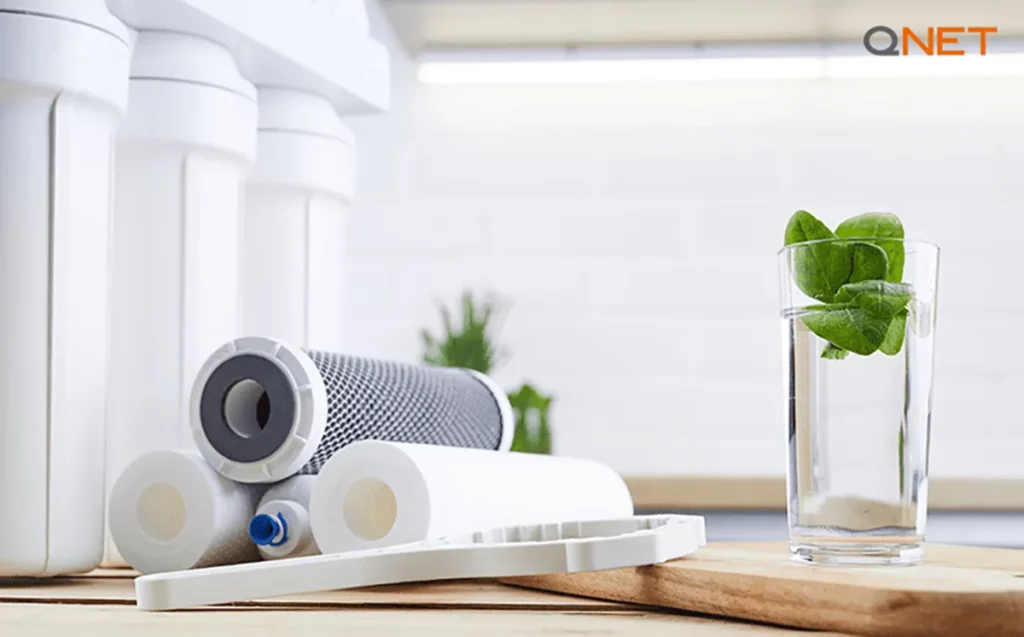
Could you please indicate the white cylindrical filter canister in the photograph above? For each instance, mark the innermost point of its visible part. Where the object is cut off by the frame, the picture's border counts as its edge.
(263, 410)
(183, 153)
(280, 527)
(63, 89)
(297, 200)
(374, 494)
(169, 511)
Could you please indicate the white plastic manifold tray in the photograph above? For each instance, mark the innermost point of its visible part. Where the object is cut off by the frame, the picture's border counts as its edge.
(565, 547)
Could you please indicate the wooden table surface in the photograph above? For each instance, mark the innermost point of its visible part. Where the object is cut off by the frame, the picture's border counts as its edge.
(768, 493)
(102, 604)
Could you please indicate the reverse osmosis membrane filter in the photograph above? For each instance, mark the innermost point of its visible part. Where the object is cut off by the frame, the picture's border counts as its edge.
(170, 511)
(280, 527)
(374, 494)
(263, 410)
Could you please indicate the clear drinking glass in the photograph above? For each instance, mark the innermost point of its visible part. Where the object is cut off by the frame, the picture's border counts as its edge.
(858, 426)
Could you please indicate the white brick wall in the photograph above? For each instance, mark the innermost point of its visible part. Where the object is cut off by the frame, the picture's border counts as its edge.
(634, 230)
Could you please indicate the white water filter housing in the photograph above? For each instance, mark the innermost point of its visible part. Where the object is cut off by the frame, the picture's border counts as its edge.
(298, 198)
(184, 150)
(63, 89)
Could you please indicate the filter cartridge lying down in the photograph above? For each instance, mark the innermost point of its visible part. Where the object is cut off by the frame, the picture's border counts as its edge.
(170, 511)
(262, 411)
(566, 547)
(374, 494)
(280, 527)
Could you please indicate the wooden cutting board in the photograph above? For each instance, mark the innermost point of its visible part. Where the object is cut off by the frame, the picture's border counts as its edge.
(102, 604)
(956, 592)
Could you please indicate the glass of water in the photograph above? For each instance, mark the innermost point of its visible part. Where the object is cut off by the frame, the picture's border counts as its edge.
(859, 387)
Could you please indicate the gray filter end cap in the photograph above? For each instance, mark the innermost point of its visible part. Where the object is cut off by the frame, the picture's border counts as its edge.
(258, 410)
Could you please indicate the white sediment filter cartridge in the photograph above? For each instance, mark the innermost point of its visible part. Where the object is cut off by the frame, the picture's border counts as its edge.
(170, 511)
(280, 527)
(63, 90)
(374, 494)
(263, 410)
(183, 152)
(297, 200)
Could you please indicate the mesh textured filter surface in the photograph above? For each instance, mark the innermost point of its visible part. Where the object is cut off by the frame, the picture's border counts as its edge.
(379, 400)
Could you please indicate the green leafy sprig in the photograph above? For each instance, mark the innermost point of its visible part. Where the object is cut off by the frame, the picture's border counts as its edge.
(856, 273)
(467, 345)
(532, 431)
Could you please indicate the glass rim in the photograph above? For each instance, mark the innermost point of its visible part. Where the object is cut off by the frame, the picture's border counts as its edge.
(914, 242)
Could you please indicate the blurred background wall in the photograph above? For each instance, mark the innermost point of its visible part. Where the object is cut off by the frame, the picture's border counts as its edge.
(632, 232)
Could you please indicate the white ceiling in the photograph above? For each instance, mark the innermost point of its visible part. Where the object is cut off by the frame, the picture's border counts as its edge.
(447, 24)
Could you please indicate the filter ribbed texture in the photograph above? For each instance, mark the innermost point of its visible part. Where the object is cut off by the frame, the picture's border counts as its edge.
(378, 400)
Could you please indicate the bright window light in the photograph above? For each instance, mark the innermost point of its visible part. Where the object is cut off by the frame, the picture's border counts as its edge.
(598, 71)
(594, 71)
(996, 65)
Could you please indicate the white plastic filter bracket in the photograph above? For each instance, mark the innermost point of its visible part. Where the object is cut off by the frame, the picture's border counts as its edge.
(565, 547)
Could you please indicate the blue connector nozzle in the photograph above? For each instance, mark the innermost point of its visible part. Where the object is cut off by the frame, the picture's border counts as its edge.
(263, 528)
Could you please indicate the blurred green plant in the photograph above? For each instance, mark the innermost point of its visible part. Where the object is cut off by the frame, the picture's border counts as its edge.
(469, 345)
(532, 432)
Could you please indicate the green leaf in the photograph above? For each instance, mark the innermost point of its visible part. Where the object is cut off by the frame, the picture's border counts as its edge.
(869, 262)
(820, 268)
(854, 329)
(834, 353)
(468, 345)
(881, 299)
(894, 336)
(532, 433)
(879, 226)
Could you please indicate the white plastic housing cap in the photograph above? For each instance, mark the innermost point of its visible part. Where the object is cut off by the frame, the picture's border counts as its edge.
(187, 90)
(294, 111)
(303, 144)
(91, 13)
(161, 55)
(97, 69)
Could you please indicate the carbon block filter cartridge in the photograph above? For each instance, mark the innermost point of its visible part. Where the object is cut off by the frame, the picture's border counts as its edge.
(262, 410)
(170, 511)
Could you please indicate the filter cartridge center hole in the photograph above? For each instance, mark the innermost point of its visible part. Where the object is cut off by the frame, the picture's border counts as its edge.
(161, 512)
(370, 508)
(247, 408)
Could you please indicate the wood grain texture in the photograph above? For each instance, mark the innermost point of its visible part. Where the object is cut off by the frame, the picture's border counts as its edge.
(51, 620)
(709, 493)
(957, 592)
(102, 605)
(101, 588)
